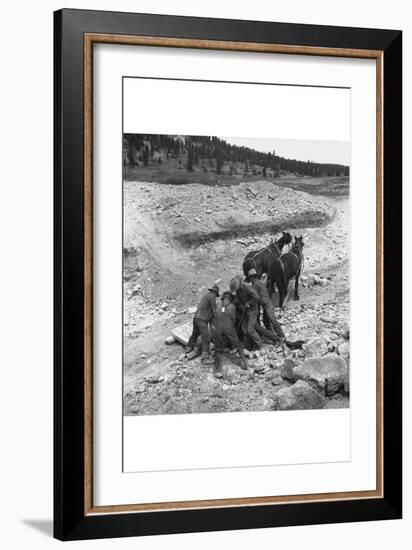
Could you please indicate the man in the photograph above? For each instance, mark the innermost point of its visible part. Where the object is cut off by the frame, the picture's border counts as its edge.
(269, 318)
(205, 313)
(224, 333)
(247, 301)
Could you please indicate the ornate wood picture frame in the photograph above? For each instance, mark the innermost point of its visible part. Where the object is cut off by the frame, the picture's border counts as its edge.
(76, 516)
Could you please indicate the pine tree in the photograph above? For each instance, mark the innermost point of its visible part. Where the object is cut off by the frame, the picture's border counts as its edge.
(218, 165)
(190, 158)
(146, 155)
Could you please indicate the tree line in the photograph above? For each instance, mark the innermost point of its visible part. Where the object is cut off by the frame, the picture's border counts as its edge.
(210, 153)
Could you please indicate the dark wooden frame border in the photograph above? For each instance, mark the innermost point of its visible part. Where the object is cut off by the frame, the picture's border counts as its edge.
(76, 31)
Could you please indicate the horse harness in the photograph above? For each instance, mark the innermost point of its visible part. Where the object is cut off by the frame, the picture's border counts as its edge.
(300, 260)
(263, 250)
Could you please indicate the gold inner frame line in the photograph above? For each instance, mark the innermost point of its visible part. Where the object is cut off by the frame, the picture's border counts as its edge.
(89, 40)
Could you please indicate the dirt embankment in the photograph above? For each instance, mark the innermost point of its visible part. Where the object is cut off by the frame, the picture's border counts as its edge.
(180, 239)
(193, 214)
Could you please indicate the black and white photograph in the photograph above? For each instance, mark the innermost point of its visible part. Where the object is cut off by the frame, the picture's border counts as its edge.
(206, 251)
(236, 274)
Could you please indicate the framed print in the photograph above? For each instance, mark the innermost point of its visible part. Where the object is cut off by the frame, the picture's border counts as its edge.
(227, 274)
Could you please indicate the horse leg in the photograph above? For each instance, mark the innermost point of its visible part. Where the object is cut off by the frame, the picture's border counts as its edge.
(269, 286)
(282, 295)
(296, 297)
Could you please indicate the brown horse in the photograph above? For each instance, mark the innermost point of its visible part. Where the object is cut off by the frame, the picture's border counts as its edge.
(286, 267)
(262, 259)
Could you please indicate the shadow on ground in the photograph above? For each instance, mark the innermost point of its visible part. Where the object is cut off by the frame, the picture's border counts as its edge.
(44, 526)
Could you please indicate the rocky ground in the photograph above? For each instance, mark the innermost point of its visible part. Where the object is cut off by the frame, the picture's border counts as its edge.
(180, 239)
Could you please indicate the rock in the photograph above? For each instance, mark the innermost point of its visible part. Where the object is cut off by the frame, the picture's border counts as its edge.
(154, 379)
(175, 405)
(300, 396)
(163, 305)
(259, 363)
(170, 340)
(345, 330)
(346, 383)
(326, 319)
(182, 333)
(287, 370)
(261, 369)
(209, 385)
(229, 370)
(341, 403)
(326, 374)
(316, 347)
(343, 350)
(276, 380)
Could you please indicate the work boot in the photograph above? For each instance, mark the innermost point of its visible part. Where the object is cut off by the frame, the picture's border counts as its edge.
(243, 361)
(207, 359)
(217, 369)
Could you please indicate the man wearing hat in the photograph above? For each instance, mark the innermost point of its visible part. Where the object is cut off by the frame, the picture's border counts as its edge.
(224, 333)
(248, 301)
(205, 313)
(269, 318)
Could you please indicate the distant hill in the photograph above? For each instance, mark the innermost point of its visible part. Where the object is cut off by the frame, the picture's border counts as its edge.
(212, 154)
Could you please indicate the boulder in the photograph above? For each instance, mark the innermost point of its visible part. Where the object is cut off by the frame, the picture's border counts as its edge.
(300, 396)
(343, 350)
(345, 331)
(230, 371)
(326, 374)
(276, 379)
(170, 340)
(346, 384)
(182, 333)
(316, 347)
(287, 370)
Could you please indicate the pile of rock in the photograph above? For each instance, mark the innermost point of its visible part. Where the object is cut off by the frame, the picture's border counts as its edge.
(323, 375)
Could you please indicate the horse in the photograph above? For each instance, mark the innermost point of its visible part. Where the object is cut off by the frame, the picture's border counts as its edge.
(286, 267)
(262, 259)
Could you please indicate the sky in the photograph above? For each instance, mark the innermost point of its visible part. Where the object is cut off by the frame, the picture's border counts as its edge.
(336, 152)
